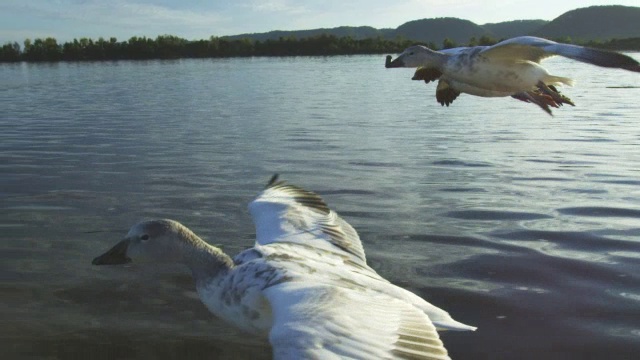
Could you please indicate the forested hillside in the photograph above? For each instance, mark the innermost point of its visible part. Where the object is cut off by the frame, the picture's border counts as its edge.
(610, 27)
(594, 23)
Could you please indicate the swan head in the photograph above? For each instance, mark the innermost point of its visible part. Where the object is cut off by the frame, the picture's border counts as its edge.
(150, 241)
(413, 56)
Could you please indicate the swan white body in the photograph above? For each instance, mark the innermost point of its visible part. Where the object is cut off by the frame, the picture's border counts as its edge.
(305, 284)
(509, 68)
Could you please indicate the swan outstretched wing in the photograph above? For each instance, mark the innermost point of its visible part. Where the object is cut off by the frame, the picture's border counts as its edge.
(285, 213)
(319, 321)
(535, 49)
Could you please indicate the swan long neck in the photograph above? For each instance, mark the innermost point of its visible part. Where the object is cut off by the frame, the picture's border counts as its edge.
(421, 56)
(436, 58)
(205, 261)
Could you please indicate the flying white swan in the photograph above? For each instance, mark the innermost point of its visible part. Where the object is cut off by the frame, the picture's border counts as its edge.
(305, 285)
(508, 68)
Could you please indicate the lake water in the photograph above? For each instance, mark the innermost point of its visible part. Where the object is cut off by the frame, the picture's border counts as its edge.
(523, 224)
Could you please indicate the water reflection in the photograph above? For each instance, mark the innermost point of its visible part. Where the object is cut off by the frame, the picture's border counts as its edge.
(522, 224)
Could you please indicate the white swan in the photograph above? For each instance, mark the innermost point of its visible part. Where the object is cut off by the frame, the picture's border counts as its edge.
(305, 284)
(508, 68)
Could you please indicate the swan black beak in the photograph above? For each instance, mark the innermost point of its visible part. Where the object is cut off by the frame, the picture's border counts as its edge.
(115, 256)
(393, 64)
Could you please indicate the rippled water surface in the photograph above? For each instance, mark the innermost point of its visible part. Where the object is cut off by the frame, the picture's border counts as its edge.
(525, 225)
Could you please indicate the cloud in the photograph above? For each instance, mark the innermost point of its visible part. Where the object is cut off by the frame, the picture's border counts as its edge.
(115, 13)
(199, 19)
(281, 7)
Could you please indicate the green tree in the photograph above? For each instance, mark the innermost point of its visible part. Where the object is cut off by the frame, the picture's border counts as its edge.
(487, 41)
(10, 52)
(170, 47)
(448, 43)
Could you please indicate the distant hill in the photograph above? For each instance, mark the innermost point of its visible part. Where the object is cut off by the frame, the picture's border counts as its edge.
(594, 23)
(598, 23)
(609, 27)
(509, 29)
(436, 30)
(356, 32)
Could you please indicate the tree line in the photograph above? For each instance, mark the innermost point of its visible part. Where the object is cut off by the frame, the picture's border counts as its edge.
(173, 47)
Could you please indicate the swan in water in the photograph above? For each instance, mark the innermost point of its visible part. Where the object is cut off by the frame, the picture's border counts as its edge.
(305, 285)
(508, 68)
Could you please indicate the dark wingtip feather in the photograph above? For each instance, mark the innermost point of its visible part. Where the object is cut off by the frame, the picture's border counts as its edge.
(301, 196)
(610, 59)
(634, 68)
(272, 181)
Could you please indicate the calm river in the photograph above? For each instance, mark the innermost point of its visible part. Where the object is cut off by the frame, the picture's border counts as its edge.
(523, 224)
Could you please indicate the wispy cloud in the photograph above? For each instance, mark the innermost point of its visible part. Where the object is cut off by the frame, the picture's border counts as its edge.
(132, 15)
(276, 6)
(118, 12)
(198, 19)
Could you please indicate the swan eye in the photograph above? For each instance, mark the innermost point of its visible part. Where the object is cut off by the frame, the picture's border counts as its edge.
(144, 237)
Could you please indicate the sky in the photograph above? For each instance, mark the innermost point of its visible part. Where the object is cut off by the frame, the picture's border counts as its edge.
(201, 19)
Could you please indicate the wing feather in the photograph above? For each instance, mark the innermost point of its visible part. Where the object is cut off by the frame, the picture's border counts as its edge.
(536, 49)
(290, 214)
(321, 321)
